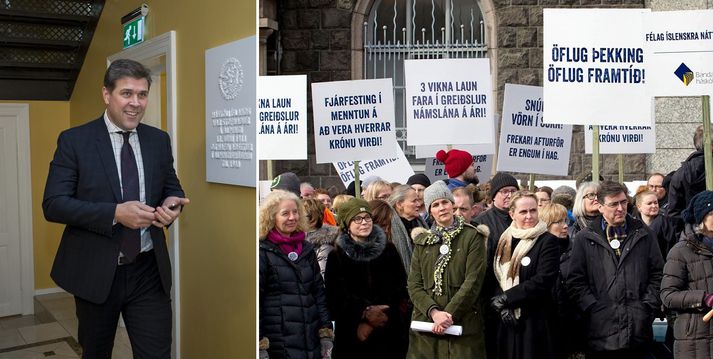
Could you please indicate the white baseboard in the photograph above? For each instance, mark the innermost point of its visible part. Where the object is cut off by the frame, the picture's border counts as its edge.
(49, 291)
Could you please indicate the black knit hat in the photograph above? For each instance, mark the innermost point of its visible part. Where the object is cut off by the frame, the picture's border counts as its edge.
(419, 178)
(287, 181)
(501, 180)
(349, 209)
(698, 208)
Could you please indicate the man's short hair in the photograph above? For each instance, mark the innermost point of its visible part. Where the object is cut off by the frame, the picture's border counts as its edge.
(125, 68)
(609, 188)
(698, 138)
(463, 192)
(656, 174)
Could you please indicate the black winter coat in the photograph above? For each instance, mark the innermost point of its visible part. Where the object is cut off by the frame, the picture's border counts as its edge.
(497, 222)
(619, 296)
(572, 332)
(359, 275)
(686, 182)
(292, 306)
(534, 335)
(688, 275)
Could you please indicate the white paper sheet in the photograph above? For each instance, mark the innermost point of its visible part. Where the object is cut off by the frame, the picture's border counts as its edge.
(419, 326)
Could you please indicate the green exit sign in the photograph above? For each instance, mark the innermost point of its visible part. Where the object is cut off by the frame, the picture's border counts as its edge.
(134, 31)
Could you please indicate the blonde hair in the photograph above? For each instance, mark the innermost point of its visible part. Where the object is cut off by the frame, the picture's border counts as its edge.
(520, 195)
(339, 200)
(372, 191)
(270, 206)
(553, 213)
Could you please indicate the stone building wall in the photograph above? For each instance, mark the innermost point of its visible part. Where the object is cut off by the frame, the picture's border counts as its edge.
(316, 38)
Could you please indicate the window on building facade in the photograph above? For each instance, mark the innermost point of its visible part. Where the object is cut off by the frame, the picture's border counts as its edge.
(418, 29)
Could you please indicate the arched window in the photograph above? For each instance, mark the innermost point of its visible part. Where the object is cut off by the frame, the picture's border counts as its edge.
(418, 29)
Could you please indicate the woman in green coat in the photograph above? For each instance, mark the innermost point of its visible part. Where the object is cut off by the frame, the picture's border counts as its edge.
(447, 273)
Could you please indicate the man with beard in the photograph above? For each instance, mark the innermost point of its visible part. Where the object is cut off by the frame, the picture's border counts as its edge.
(459, 167)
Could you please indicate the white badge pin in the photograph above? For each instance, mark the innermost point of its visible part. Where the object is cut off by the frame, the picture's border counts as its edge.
(525, 261)
(615, 244)
(443, 249)
(292, 256)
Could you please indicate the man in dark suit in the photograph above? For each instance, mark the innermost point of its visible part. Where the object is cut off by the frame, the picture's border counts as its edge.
(112, 183)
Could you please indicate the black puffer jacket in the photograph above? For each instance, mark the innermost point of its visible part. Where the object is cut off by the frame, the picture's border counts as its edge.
(688, 274)
(293, 305)
(619, 296)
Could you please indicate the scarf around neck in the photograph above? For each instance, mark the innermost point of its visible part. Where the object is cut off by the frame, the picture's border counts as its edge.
(445, 235)
(293, 243)
(507, 261)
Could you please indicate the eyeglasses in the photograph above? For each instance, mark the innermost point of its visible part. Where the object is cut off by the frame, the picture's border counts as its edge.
(362, 219)
(506, 192)
(615, 205)
(590, 196)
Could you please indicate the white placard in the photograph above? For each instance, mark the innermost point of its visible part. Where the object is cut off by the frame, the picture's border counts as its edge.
(679, 52)
(436, 170)
(230, 100)
(594, 67)
(282, 117)
(622, 139)
(395, 169)
(448, 101)
(526, 143)
(353, 120)
(430, 151)
(474, 149)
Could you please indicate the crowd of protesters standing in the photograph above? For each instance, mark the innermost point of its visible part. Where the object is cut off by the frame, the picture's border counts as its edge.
(491, 270)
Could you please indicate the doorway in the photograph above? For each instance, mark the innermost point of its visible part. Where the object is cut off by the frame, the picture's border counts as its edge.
(16, 256)
(159, 55)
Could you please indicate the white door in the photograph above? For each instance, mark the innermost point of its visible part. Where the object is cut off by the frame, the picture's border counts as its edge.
(10, 265)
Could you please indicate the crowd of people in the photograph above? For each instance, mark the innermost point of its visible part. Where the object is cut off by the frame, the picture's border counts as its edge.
(492, 270)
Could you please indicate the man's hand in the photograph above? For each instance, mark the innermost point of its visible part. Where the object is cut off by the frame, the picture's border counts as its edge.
(134, 214)
(169, 211)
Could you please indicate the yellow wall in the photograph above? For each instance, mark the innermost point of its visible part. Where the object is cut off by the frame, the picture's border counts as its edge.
(218, 244)
(47, 120)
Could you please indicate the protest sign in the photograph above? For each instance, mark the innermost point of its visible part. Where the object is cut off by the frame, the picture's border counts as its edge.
(594, 74)
(282, 117)
(426, 151)
(622, 139)
(436, 170)
(430, 151)
(353, 120)
(395, 169)
(448, 101)
(678, 46)
(527, 144)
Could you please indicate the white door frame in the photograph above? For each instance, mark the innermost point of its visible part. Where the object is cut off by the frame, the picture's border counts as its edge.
(150, 52)
(24, 176)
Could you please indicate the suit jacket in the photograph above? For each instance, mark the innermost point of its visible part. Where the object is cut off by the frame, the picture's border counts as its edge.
(82, 192)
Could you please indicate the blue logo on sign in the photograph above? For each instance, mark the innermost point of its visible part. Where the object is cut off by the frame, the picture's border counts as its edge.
(684, 74)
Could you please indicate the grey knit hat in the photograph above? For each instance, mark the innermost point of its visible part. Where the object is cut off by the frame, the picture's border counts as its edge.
(436, 191)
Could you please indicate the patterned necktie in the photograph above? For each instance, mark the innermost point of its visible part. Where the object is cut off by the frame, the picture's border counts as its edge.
(129, 239)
